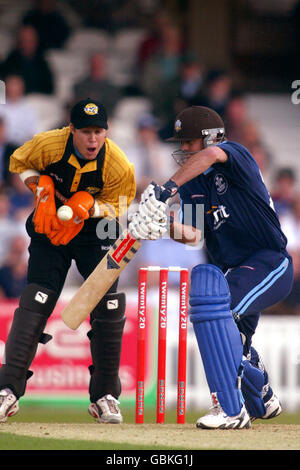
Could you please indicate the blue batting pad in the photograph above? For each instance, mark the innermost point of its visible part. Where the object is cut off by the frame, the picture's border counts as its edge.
(252, 387)
(217, 335)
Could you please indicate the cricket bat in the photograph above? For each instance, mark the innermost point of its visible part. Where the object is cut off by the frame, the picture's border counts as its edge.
(100, 280)
(103, 277)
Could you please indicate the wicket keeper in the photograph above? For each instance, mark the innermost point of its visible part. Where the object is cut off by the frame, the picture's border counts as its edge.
(250, 268)
(80, 163)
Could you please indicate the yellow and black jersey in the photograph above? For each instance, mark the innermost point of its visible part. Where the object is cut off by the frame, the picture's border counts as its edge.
(109, 178)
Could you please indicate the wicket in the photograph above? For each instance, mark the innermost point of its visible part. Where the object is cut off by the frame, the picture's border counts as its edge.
(162, 343)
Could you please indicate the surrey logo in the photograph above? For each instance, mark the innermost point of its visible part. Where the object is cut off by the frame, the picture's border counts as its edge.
(221, 183)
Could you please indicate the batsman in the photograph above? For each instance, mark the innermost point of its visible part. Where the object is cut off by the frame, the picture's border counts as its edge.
(82, 167)
(249, 270)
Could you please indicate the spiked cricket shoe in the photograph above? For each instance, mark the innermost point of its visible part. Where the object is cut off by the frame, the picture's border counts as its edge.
(106, 410)
(8, 404)
(218, 419)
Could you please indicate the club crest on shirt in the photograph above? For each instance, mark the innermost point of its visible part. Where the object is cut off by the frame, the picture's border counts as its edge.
(221, 183)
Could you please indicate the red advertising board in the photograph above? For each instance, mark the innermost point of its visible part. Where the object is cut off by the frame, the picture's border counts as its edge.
(61, 366)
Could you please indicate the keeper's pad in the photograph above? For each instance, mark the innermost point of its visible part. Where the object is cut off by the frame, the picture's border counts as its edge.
(107, 321)
(217, 335)
(36, 305)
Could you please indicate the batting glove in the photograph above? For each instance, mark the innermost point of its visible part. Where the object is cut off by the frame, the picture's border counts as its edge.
(142, 227)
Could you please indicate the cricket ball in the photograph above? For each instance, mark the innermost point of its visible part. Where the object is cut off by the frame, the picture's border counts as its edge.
(65, 213)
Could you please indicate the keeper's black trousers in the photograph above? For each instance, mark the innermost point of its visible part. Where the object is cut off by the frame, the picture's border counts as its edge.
(48, 267)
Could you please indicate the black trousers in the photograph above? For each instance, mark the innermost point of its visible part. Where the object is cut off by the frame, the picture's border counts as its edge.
(48, 267)
(49, 264)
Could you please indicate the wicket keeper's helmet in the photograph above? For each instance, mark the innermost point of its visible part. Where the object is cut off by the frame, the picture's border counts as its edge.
(193, 123)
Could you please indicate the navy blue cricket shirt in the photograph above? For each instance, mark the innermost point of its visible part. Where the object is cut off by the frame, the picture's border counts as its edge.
(239, 217)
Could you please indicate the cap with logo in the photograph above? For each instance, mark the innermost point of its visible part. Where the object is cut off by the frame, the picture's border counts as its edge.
(87, 113)
(196, 122)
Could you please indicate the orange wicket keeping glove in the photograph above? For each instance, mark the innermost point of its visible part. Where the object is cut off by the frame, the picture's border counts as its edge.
(80, 203)
(44, 216)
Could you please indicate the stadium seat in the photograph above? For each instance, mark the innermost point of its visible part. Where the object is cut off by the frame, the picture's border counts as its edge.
(122, 56)
(88, 40)
(130, 109)
(6, 43)
(12, 13)
(49, 109)
(123, 126)
(65, 62)
(128, 40)
(68, 67)
(122, 133)
(280, 130)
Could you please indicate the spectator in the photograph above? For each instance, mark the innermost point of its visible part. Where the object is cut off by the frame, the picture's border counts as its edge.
(8, 227)
(21, 200)
(239, 126)
(216, 92)
(290, 222)
(149, 155)
(21, 120)
(26, 60)
(13, 273)
(191, 80)
(264, 160)
(153, 39)
(250, 134)
(162, 68)
(97, 84)
(235, 115)
(52, 28)
(180, 93)
(6, 149)
(284, 193)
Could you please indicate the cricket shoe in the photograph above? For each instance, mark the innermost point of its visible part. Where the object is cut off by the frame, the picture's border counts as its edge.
(8, 404)
(218, 419)
(273, 408)
(106, 410)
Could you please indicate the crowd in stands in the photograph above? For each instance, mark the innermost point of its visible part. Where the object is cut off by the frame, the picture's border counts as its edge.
(167, 77)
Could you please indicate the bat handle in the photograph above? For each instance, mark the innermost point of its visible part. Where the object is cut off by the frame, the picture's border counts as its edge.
(59, 196)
